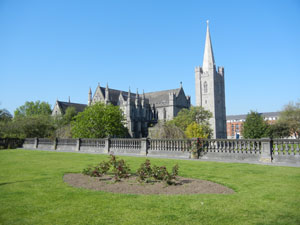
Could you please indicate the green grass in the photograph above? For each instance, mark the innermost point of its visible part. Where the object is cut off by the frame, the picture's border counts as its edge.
(32, 192)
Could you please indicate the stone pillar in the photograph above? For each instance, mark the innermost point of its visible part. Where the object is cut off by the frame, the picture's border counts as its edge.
(144, 146)
(78, 144)
(36, 142)
(55, 144)
(107, 145)
(266, 150)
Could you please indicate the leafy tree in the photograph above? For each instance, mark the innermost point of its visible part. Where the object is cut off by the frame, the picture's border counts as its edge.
(166, 131)
(33, 108)
(255, 126)
(69, 115)
(99, 121)
(5, 115)
(28, 127)
(280, 130)
(291, 116)
(195, 130)
(195, 114)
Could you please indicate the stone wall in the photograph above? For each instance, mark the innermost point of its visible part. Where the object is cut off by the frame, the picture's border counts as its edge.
(244, 150)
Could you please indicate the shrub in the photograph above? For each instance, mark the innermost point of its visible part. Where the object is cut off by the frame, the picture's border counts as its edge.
(119, 168)
(147, 173)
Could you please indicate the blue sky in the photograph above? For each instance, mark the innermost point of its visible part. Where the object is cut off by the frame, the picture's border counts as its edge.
(54, 49)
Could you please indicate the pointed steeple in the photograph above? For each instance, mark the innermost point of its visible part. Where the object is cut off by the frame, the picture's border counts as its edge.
(90, 97)
(208, 59)
(107, 94)
(129, 95)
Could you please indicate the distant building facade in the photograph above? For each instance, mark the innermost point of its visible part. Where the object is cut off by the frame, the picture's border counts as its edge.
(210, 89)
(235, 122)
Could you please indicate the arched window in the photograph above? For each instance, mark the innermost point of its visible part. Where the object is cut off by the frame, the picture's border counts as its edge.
(205, 87)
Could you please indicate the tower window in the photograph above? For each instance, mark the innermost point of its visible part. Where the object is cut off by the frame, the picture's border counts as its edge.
(205, 87)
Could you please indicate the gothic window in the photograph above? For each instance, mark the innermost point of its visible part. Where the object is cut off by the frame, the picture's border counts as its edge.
(205, 87)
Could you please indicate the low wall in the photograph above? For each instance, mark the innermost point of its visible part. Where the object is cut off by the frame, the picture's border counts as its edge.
(244, 150)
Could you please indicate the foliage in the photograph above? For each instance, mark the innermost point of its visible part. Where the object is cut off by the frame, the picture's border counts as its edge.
(255, 127)
(99, 121)
(195, 130)
(5, 115)
(69, 115)
(32, 192)
(97, 171)
(195, 114)
(279, 130)
(63, 123)
(28, 127)
(291, 116)
(33, 108)
(119, 168)
(146, 173)
(166, 131)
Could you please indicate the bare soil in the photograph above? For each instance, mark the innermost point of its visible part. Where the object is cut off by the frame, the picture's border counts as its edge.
(132, 186)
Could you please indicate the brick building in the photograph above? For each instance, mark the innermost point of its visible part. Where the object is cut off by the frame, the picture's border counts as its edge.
(235, 122)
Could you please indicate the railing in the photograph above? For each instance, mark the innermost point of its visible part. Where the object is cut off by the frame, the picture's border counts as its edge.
(45, 141)
(286, 146)
(70, 142)
(232, 146)
(251, 150)
(29, 141)
(169, 145)
(94, 143)
(128, 143)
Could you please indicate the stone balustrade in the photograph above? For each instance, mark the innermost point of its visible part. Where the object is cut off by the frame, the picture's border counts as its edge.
(247, 150)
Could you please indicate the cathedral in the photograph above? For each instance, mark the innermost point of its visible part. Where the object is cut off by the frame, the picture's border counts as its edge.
(143, 110)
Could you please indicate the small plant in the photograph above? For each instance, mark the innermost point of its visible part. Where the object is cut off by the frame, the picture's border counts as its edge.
(146, 173)
(97, 171)
(119, 168)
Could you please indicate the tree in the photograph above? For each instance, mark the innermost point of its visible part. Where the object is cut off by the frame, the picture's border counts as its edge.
(279, 130)
(5, 115)
(63, 123)
(28, 127)
(166, 131)
(255, 127)
(291, 116)
(195, 130)
(99, 121)
(33, 108)
(195, 114)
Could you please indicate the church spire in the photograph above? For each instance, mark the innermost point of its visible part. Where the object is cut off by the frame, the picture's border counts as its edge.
(90, 97)
(208, 59)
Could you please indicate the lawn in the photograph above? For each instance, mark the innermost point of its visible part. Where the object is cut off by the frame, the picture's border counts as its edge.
(32, 192)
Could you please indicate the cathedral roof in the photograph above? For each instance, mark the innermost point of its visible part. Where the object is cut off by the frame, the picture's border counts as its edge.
(160, 97)
(157, 97)
(64, 105)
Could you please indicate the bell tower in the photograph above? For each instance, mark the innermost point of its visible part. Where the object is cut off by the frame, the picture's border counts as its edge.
(210, 89)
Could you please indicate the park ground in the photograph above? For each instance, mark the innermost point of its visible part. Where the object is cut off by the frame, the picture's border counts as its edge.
(32, 191)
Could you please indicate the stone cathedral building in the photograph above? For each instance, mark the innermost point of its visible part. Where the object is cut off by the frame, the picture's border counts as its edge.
(141, 110)
(210, 89)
